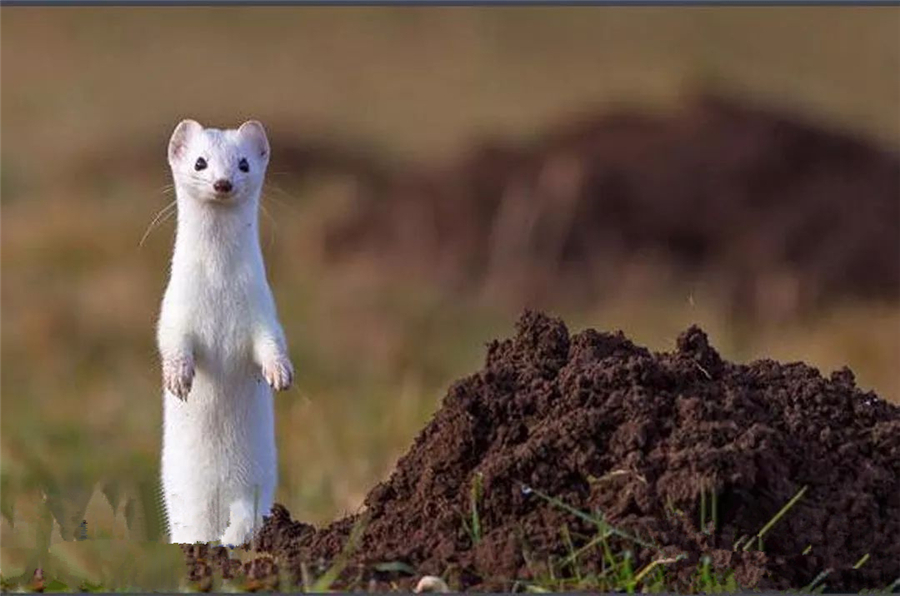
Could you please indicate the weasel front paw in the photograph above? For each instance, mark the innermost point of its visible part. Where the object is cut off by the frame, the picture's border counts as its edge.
(278, 373)
(178, 375)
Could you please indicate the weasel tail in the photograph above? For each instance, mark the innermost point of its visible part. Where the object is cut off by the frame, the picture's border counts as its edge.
(221, 345)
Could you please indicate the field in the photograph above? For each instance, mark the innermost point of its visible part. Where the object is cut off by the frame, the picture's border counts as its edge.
(89, 98)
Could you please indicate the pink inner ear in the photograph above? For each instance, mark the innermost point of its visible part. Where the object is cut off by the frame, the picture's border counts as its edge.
(180, 140)
(178, 148)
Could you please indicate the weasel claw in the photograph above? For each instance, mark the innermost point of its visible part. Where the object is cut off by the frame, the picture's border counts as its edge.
(178, 376)
(279, 374)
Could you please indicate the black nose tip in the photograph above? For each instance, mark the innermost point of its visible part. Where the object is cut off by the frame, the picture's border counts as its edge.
(222, 185)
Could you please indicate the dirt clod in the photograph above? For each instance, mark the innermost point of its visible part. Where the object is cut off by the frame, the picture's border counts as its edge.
(686, 454)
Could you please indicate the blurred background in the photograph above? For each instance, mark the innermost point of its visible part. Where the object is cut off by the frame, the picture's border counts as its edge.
(434, 171)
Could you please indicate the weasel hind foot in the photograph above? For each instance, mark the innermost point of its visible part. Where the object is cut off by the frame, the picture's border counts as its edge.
(178, 376)
(279, 373)
(240, 532)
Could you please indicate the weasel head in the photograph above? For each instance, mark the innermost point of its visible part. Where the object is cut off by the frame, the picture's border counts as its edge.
(219, 167)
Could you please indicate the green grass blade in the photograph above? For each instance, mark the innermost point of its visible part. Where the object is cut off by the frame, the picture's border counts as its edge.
(778, 516)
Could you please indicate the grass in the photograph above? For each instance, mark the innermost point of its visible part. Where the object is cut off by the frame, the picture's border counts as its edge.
(746, 545)
(71, 566)
(617, 573)
(81, 284)
(708, 524)
(327, 580)
(81, 405)
(472, 527)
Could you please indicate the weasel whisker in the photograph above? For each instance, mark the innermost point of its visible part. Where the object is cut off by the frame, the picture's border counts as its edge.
(161, 217)
(275, 187)
(271, 219)
(166, 189)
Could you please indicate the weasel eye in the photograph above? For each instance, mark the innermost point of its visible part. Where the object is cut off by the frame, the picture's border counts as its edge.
(243, 165)
(200, 164)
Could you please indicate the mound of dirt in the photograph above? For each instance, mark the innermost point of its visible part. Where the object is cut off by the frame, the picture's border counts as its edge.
(773, 213)
(642, 438)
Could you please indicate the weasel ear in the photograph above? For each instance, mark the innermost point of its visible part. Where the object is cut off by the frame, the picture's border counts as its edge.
(253, 131)
(181, 137)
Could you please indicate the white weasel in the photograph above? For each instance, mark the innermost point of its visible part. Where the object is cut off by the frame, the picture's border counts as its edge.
(222, 347)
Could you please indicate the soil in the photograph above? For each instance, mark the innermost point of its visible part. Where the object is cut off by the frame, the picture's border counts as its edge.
(609, 427)
(772, 213)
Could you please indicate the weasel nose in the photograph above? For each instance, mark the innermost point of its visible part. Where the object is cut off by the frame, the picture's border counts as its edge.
(222, 185)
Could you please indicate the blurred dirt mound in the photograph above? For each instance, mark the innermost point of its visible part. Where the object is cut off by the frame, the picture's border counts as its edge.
(607, 426)
(775, 213)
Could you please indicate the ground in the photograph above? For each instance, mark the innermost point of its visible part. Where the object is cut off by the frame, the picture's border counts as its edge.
(89, 99)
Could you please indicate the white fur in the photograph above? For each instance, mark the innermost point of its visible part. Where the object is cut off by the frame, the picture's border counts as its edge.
(220, 342)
